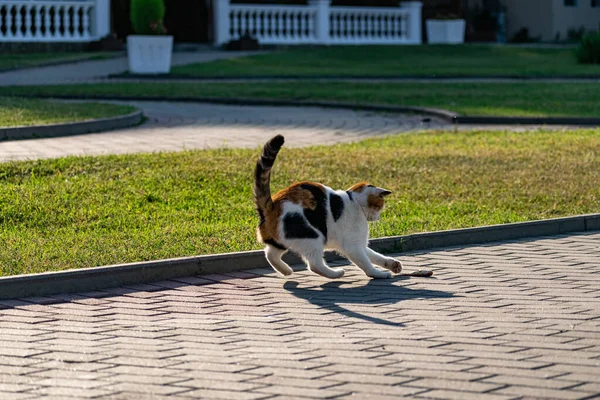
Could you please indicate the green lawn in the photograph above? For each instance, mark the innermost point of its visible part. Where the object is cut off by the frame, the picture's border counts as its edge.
(424, 61)
(16, 111)
(25, 60)
(502, 99)
(81, 212)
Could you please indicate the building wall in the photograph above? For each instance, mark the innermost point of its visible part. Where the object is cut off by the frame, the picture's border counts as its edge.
(536, 15)
(566, 18)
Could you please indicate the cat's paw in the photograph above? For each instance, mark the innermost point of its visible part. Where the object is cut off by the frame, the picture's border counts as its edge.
(377, 274)
(396, 267)
(393, 265)
(339, 272)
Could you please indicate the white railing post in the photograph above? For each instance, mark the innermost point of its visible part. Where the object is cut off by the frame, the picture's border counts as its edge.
(101, 19)
(322, 20)
(414, 22)
(221, 21)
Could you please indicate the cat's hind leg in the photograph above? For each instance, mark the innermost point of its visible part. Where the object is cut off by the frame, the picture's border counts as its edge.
(386, 262)
(274, 255)
(359, 257)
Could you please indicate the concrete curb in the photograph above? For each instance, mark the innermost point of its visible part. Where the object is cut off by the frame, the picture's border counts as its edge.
(358, 78)
(72, 128)
(87, 279)
(445, 115)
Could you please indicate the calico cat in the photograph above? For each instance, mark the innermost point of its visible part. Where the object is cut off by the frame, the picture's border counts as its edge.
(308, 217)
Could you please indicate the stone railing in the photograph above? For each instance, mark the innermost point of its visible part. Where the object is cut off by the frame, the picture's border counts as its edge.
(54, 20)
(319, 23)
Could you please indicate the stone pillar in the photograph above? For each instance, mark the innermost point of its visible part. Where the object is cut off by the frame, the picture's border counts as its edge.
(221, 22)
(322, 20)
(101, 20)
(414, 22)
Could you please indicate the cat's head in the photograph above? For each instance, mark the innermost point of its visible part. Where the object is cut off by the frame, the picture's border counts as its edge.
(371, 198)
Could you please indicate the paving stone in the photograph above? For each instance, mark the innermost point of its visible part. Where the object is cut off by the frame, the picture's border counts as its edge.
(481, 329)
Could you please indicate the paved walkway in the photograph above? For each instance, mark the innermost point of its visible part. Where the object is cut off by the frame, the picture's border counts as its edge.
(503, 321)
(98, 70)
(178, 126)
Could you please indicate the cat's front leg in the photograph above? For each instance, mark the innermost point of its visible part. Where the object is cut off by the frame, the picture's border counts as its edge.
(360, 258)
(386, 262)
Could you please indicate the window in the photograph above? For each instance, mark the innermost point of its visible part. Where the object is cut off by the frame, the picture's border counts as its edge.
(595, 3)
(570, 3)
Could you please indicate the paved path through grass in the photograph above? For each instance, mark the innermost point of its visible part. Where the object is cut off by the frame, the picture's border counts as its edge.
(500, 321)
(178, 126)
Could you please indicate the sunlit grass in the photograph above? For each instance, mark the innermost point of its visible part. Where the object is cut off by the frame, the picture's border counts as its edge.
(500, 99)
(82, 212)
(23, 112)
(423, 61)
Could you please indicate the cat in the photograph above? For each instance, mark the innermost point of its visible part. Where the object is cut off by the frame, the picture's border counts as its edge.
(309, 217)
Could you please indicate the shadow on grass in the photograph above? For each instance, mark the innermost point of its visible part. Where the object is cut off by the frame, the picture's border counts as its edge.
(332, 295)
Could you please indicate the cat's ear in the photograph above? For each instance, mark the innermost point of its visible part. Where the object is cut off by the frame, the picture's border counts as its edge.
(383, 192)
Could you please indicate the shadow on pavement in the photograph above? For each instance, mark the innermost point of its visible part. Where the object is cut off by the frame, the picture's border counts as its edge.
(332, 295)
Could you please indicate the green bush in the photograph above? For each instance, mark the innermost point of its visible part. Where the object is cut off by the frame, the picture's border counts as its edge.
(588, 51)
(147, 17)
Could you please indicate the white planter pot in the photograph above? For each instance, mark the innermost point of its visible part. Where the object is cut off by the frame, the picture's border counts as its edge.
(451, 31)
(149, 54)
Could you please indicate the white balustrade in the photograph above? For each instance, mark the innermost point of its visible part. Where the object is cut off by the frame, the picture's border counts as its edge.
(319, 23)
(54, 20)
(273, 24)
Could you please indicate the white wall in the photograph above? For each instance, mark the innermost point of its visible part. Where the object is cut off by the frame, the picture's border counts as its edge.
(566, 18)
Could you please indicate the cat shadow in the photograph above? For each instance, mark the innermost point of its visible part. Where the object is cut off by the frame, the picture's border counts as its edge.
(332, 295)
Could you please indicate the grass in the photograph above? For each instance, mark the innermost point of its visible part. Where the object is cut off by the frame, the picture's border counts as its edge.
(26, 60)
(16, 111)
(480, 99)
(82, 212)
(424, 61)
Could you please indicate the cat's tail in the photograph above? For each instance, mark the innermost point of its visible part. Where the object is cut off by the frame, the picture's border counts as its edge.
(262, 173)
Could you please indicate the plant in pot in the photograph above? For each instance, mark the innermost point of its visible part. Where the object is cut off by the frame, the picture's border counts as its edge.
(446, 28)
(149, 50)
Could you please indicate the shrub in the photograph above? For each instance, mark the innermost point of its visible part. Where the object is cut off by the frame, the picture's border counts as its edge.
(588, 51)
(147, 17)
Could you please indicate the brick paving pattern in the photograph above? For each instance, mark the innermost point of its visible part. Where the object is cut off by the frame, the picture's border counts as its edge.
(510, 320)
(176, 126)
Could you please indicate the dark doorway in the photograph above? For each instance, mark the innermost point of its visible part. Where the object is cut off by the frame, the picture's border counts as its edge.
(187, 20)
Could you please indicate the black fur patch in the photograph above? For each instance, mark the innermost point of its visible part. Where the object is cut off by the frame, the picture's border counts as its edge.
(275, 244)
(295, 227)
(261, 216)
(318, 216)
(337, 206)
(349, 194)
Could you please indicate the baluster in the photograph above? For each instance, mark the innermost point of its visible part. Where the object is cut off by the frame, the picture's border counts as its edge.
(67, 21)
(85, 28)
(37, 22)
(293, 25)
(290, 25)
(76, 23)
(57, 24)
(234, 23)
(243, 24)
(28, 9)
(363, 26)
(9, 22)
(18, 22)
(356, 26)
(252, 22)
(310, 27)
(47, 32)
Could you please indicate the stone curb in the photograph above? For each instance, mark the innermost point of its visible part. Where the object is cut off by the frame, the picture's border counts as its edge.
(72, 128)
(445, 115)
(369, 78)
(87, 279)
(61, 62)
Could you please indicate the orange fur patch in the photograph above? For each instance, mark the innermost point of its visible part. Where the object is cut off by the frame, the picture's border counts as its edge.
(374, 201)
(359, 187)
(294, 194)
